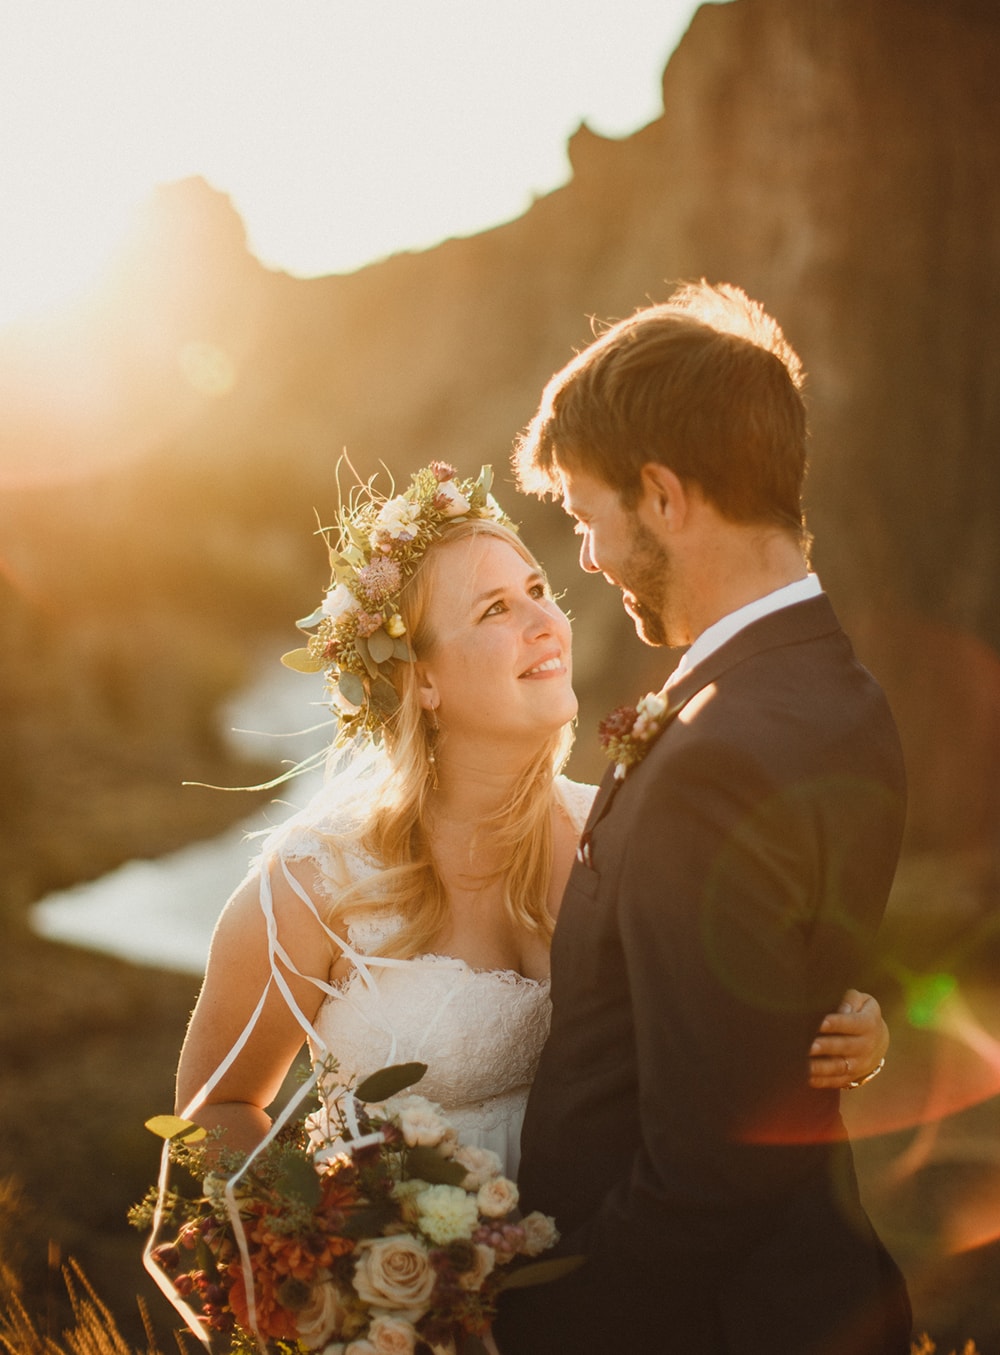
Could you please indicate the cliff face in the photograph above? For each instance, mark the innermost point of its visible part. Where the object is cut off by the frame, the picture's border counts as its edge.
(837, 159)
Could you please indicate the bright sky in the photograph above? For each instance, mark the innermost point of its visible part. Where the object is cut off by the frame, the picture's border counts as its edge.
(343, 130)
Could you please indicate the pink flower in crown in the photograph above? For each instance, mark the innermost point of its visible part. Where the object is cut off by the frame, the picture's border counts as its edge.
(378, 580)
(443, 471)
(369, 622)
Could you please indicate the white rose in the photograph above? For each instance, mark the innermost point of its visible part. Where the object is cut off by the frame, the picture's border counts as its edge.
(486, 1259)
(450, 500)
(481, 1164)
(321, 1316)
(420, 1120)
(497, 1198)
(338, 601)
(360, 1348)
(652, 704)
(394, 1273)
(392, 1336)
(540, 1233)
(396, 518)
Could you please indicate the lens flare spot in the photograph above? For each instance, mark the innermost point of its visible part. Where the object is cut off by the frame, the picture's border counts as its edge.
(207, 368)
(926, 995)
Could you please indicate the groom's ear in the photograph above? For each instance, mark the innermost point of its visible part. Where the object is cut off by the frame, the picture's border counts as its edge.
(664, 498)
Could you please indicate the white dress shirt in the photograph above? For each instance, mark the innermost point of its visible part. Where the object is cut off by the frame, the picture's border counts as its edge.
(720, 631)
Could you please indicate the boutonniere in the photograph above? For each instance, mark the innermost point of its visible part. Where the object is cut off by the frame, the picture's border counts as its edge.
(627, 734)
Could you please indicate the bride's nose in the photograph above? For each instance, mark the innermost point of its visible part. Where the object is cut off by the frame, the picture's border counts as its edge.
(539, 620)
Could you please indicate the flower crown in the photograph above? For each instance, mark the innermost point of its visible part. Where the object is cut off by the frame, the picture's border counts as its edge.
(360, 633)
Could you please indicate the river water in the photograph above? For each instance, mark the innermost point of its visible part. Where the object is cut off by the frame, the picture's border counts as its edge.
(161, 912)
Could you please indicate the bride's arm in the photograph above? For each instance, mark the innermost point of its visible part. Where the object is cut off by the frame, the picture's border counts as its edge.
(851, 1043)
(237, 975)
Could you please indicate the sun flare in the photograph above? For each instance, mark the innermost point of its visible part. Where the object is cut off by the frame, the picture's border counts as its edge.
(341, 133)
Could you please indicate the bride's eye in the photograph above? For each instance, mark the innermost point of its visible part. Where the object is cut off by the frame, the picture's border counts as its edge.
(494, 609)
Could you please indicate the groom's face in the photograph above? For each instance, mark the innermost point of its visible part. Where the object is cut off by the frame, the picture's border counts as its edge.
(616, 543)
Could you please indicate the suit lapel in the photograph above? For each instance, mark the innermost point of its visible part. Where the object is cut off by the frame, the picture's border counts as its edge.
(802, 621)
(796, 624)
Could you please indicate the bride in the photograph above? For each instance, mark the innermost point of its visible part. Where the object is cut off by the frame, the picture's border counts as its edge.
(406, 913)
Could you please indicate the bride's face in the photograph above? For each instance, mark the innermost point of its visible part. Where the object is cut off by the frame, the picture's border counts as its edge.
(499, 665)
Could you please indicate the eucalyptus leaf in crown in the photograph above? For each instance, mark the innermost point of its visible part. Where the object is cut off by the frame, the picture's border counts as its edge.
(358, 632)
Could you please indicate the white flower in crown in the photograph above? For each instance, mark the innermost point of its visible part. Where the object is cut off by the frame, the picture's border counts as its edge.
(339, 601)
(450, 500)
(396, 519)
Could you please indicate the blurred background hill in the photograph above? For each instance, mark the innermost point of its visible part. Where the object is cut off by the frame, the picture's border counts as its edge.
(167, 446)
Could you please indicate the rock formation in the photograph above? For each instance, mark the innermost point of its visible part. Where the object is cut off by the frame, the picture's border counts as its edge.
(837, 159)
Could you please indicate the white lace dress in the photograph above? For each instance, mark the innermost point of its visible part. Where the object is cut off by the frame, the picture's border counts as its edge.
(480, 1032)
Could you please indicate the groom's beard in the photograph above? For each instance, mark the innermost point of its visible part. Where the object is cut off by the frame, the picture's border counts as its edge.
(647, 575)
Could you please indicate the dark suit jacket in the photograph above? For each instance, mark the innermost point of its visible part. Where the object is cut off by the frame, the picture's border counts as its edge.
(737, 877)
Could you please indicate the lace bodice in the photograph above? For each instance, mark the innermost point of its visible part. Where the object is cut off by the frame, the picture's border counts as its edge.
(480, 1032)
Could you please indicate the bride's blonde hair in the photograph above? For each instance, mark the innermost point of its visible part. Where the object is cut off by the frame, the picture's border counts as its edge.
(393, 829)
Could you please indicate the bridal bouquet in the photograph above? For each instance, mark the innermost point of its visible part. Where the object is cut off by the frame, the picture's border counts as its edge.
(365, 1229)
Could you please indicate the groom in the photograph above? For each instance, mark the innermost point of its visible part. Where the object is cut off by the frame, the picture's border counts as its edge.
(729, 882)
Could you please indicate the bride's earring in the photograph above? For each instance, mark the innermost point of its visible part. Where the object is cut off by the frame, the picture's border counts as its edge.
(432, 735)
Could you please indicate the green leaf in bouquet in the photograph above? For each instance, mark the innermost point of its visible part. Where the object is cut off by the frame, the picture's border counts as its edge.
(313, 619)
(358, 535)
(297, 1178)
(541, 1272)
(401, 649)
(380, 645)
(351, 688)
(389, 1081)
(175, 1129)
(427, 1164)
(384, 696)
(371, 1220)
(361, 645)
(303, 661)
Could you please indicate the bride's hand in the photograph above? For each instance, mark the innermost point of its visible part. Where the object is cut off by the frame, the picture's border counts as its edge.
(851, 1043)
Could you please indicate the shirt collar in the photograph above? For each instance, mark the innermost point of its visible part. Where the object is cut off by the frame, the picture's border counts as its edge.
(720, 631)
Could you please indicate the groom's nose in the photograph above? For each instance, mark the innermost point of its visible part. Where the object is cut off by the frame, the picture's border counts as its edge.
(586, 558)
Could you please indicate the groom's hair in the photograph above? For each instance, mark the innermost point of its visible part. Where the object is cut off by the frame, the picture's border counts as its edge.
(705, 383)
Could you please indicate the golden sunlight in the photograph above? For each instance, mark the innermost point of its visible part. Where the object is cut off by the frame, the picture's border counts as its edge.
(47, 263)
(341, 133)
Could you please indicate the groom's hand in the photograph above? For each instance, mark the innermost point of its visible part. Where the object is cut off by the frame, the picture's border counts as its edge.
(851, 1044)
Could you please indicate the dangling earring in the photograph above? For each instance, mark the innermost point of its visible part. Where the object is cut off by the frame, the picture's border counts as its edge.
(432, 735)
